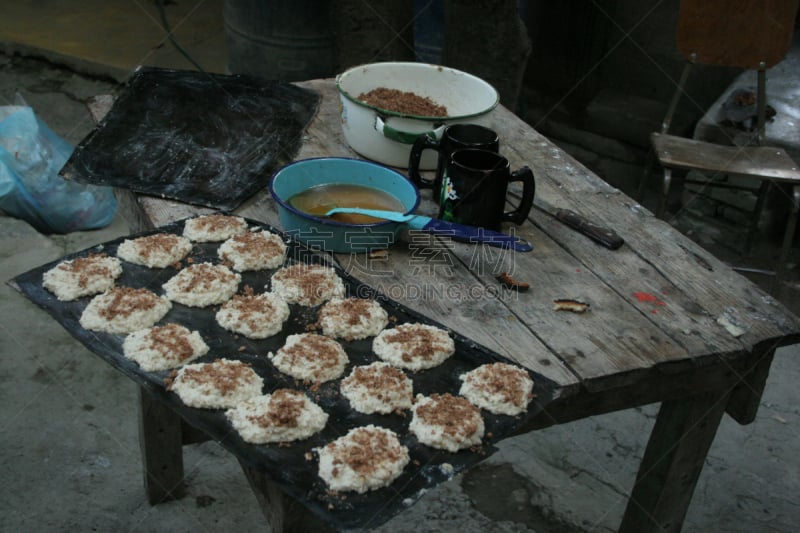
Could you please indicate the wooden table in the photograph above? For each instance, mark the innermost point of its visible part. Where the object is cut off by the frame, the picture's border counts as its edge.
(668, 322)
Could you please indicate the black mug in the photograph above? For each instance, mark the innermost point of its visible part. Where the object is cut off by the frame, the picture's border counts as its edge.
(474, 187)
(454, 137)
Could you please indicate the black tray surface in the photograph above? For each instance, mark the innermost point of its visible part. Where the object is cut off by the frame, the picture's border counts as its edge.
(294, 467)
(206, 139)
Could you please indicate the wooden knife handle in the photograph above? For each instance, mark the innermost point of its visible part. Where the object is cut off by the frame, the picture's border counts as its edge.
(605, 236)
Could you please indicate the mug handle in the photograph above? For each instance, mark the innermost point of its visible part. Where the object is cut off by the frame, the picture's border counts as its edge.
(422, 143)
(518, 215)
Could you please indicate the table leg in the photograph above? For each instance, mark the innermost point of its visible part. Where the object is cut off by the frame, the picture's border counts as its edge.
(672, 462)
(283, 513)
(162, 452)
(746, 397)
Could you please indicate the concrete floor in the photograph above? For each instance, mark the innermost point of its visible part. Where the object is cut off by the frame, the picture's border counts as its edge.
(70, 459)
(111, 38)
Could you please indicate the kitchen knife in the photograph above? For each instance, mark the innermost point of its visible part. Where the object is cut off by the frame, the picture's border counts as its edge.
(605, 236)
(602, 235)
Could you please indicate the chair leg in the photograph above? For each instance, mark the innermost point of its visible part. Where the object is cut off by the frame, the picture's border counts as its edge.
(788, 235)
(756, 215)
(662, 203)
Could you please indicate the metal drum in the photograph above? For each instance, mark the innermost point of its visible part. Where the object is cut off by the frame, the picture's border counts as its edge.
(279, 40)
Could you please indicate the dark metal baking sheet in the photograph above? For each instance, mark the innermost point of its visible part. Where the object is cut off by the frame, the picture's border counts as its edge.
(206, 139)
(288, 465)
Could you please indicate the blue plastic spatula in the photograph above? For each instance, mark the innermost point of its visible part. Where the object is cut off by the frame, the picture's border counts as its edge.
(458, 232)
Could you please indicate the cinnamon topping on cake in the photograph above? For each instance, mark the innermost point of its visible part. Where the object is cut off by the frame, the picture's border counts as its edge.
(204, 276)
(389, 378)
(124, 301)
(352, 318)
(158, 250)
(500, 388)
(285, 408)
(366, 458)
(256, 316)
(169, 341)
(88, 267)
(419, 343)
(446, 422)
(219, 384)
(377, 388)
(123, 310)
(213, 228)
(160, 242)
(82, 276)
(414, 346)
(203, 284)
(253, 250)
(310, 357)
(163, 347)
(364, 446)
(307, 284)
(321, 348)
(224, 377)
(283, 416)
(454, 414)
(213, 222)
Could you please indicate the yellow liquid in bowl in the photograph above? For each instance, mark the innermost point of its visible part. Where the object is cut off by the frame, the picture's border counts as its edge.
(320, 199)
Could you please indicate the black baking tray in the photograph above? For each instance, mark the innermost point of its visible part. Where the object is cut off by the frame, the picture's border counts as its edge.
(206, 139)
(294, 467)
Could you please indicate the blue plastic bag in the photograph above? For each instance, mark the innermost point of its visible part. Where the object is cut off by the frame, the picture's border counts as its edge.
(31, 155)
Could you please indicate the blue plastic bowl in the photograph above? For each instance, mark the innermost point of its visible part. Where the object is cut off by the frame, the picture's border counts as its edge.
(329, 235)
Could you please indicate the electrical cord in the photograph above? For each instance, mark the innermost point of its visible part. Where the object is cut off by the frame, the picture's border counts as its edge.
(178, 47)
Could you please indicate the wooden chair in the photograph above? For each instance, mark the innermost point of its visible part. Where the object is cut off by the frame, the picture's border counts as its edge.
(746, 34)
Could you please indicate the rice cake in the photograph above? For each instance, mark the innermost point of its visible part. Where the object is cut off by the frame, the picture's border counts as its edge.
(285, 415)
(414, 346)
(216, 227)
(202, 285)
(124, 310)
(366, 458)
(377, 388)
(310, 357)
(221, 384)
(253, 250)
(158, 250)
(83, 276)
(352, 318)
(256, 316)
(446, 422)
(163, 347)
(499, 388)
(307, 285)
